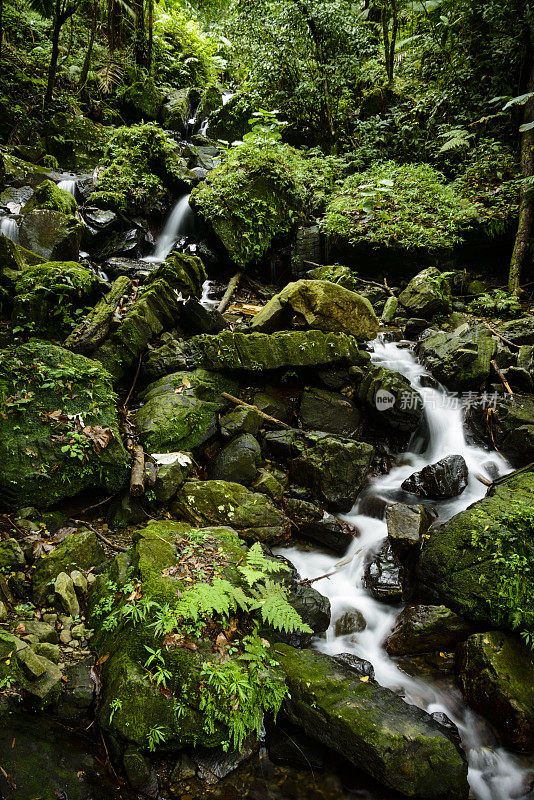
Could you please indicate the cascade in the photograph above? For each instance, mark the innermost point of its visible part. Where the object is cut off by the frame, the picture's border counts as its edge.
(494, 772)
(9, 228)
(68, 185)
(180, 222)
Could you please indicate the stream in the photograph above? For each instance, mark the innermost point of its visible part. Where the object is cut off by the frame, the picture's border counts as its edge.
(494, 772)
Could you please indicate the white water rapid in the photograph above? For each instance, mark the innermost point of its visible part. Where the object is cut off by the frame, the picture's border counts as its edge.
(9, 228)
(68, 185)
(206, 299)
(180, 222)
(494, 773)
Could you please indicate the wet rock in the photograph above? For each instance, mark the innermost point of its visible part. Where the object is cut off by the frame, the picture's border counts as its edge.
(400, 745)
(51, 234)
(139, 772)
(426, 294)
(457, 566)
(173, 469)
(184, 769)
(334, 468)
(315, 524)
(351, 621)
(360, 666)
(253, 352)
(383, 575)
(195, 319)
(276, 402)
(214, 764)
(289, 745)
(78, 692)
(314, 610)
(460, 359)
(406, 527)
(127, 267)
(238, 460)
(251, 514)
(496, 675)
(323, 306)
(268, 484)
(176, 111)
(444, 479)
(240, 420)
(414, 327)
(422, 629)
(390, 396)
(66, 595)
(321, 410)
(510, 427)
(180, 412)
(48, 195)
(390, 309)
(80, 550)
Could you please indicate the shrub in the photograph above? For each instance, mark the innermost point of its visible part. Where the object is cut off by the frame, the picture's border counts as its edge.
(184, 55)
(405, 206)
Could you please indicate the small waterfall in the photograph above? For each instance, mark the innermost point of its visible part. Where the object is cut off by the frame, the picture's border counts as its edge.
(68, 185)
(494, 772)
(180, 222)
(206, 300)
(9, 228)
(227, 96)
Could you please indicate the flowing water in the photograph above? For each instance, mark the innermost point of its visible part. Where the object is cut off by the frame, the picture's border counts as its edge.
(68, 185)
(9, 228)
(206, 300)
(180, 222)
(494, 773)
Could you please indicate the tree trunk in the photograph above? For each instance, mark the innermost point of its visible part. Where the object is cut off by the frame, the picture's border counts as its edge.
(57, 23)
(87, 60)
(1, 26)
(526, 207)
(150, 33)
(140, 54)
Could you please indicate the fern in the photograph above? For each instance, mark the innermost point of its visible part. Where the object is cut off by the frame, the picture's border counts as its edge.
(256, 566)
(271, 601)
(456, 139)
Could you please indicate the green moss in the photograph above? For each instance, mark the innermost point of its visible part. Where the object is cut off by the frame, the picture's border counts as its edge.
(49, 196)
(184, 273)
(141, 100)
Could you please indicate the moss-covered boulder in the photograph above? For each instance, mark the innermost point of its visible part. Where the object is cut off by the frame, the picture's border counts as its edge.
(58, 427)
(252, 198)
(155, 309)
(93, 329)
(460, 359)
(398, 744)
(181, 411)
(321, 305)
(186, 274)
(323, 410)
(333, 467)
(255, 352)
(79, 551)
(49, 196)
(510, 426)
(77, 142)
(427, 294)
(51, 234)
(423, 629)
(251, 514)
(496, 674)
(49, 296)
(176, 111)
(38, 678)
(479, 563)
(390, 396)
(141, 101)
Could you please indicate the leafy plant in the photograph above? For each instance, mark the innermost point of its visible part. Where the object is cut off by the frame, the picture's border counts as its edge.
(497, 303)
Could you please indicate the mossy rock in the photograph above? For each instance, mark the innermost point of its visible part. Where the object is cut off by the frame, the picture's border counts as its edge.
(77, 142)
(181, 411)
(510, 428)
(458, 565)
(80, 550)
(176, 111)
(141, 101)
(251, 514)
(49, 196)
(48, 295)
(400, 745)
(339, 274)
(390, 396)
(186, 274)
(460, 360)
(255, 352)
(210, 102)
(40, 385)
(51, 234)
(323, 306)
(428, 293)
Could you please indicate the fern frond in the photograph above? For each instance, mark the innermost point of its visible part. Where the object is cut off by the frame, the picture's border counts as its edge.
(257, 566)
(271, 601)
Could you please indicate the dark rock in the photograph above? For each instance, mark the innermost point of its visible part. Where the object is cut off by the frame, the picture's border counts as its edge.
(314, 610)
(383, 575)
(360, 666)
(313, 523)
(422, 629)
(241, 419)
(333, 467)
(397, 743)
(137, 270)
(444, 479)
(351, 621)
(496, 674)
(390, 396)
(289, 745)
(214, 763)
(426, 294)
(238, 460)
(141, 775)
(77, 696)
(194, 319)
(321, 410)
(510, 427)
(407, 526)
(461, 359)
(413, 327)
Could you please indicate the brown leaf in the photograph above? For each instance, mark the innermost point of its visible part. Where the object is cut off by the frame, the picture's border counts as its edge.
(99, 436)
(102, 659)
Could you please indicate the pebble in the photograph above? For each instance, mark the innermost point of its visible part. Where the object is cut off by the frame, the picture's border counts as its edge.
(65, 636)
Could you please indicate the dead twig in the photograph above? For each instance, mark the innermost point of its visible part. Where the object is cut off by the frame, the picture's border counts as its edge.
(118, 547)
(502, 338)
(132, 387)
(501, 376)
(262, 414)
(230, 289)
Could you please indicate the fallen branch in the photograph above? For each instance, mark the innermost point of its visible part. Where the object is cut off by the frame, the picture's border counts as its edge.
(357, 278)
(506, 341)
(118, 547)
(137, 479)
(501, 376)
(97, 505)
(132, 387)
(262, 414)
(230, 289)
(482, 479)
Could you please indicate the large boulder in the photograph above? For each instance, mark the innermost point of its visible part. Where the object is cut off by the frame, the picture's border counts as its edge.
(427, 294)
(332, 467)
(58, 428)
(251, 514)
(49, 196)
(460, 359)
(181, 411)
(424, 629)
(321, 305)
(440, 481)
(323, 410)
(462, 563)
(398, 744)
(51, 234)
(254, 352)
(390, 396)
(508, 424)
(237, 461)
(186, 274)
(406, 527)
(496, 674)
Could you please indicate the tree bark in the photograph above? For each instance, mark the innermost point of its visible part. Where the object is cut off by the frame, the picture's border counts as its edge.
(89, 52)
(1, 26)
(57, 23)
(140, 54)
(526, 207)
